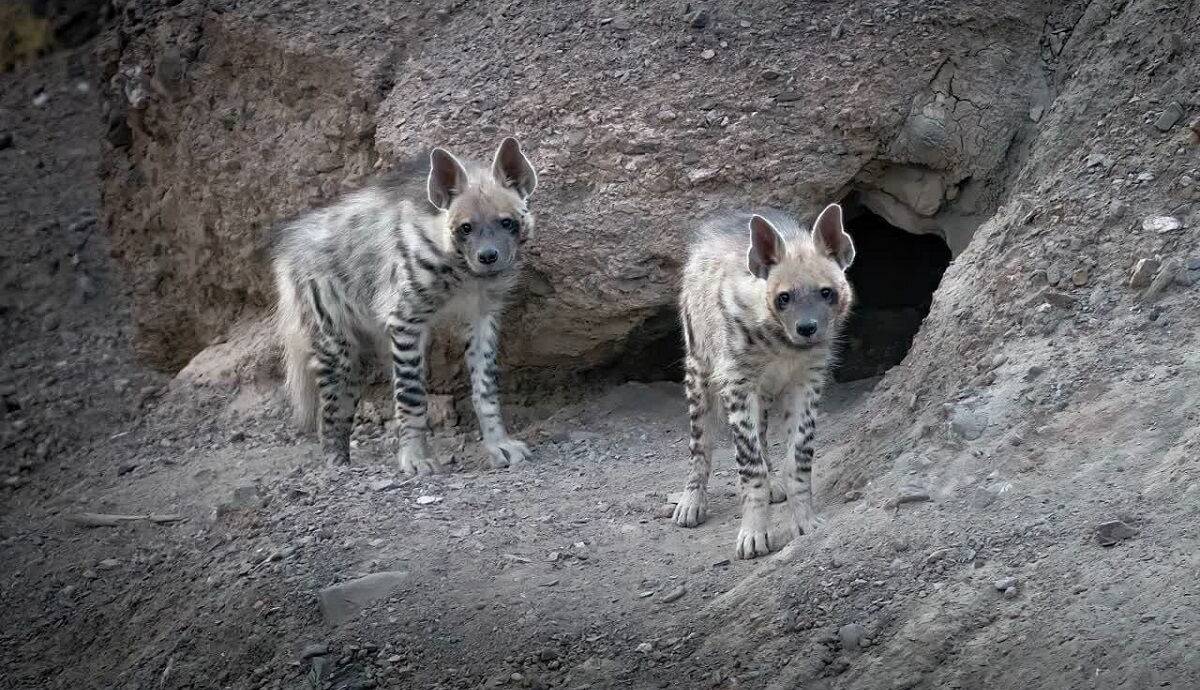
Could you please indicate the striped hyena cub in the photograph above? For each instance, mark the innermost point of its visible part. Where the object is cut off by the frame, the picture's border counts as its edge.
(760, 315)
(376, 268)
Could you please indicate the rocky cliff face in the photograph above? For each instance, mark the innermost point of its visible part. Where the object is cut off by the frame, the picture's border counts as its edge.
(641, 118)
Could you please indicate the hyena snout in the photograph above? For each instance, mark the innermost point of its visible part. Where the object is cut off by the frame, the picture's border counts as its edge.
(488, 256)
(807, 328)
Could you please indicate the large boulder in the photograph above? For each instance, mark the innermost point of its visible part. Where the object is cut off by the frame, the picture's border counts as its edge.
(224, 117)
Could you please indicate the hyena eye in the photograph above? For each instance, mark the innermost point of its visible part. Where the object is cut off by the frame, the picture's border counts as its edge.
(509, 224)
(782, 299)
(465, 229)
(828, 294)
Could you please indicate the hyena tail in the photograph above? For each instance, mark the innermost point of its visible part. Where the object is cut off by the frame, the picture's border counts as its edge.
(294, 333)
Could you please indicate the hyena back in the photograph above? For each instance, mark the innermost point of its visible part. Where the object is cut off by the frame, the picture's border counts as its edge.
(762, 303)
(372, 272)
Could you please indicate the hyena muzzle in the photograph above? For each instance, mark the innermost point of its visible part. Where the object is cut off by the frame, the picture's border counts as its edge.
(371, 273)
(762, 303)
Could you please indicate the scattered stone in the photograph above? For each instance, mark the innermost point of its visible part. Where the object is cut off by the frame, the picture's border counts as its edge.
(108, 564)
(622, 24)
(107, 520)
(1034, 371)
(237, 437)
(1011, 593)
(341, 602)
(1161, 224)
(698, 19)
(770, 74)
(1005, 583)
(645, 648)
(910, 493)
(1166, 275)
(968, 424)
(702, 175)
(852, 495)
(851, 636)
(315, 649)
(666, 115)
(1169, 117)
(1080, 277)
(428, 500)
(708, 54)
(674, 595)
(837, 31)
(383, 484)
(1114, 531)
(665, 510)
(1143, 272)
(1116, 211)
(788, 96)
(1052, 297)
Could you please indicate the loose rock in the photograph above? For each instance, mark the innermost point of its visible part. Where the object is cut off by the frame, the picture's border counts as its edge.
(1113, 532)
(674, 595)
(1169, 117)
(341, 602)
(1161, 224)
(1166, 275)
(1143, 273)
(1005, 583)
(315, 649)
(968, 424)
(851, 636)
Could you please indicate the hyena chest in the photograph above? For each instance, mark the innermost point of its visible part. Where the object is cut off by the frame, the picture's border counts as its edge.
(777, 373)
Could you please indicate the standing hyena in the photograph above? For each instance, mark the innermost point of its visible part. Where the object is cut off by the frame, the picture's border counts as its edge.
(759, 320)
(377, 268)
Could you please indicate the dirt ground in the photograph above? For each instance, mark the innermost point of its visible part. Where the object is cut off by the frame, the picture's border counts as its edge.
(953, 567)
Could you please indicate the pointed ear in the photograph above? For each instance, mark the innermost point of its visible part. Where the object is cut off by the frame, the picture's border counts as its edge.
(513, 170)
(447, 178)
(830, 236)
(766, 247)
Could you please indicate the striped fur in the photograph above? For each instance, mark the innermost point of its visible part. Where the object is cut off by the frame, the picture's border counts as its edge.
(761, 305)
(371, 273)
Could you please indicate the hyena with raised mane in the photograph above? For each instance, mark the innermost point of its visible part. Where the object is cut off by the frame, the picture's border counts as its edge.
(760, 315)
(374, 270)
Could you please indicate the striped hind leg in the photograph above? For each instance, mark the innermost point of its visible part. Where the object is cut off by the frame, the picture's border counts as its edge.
(692, 508)
(336, 366)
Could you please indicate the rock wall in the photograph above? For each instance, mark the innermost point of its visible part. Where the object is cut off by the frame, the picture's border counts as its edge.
(641, 117)
(1054, 373)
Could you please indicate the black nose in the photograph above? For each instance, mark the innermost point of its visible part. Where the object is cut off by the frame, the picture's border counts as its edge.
(806, 328)
(488, 256)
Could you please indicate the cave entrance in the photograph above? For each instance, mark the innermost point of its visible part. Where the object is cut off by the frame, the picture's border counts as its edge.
(894, 274)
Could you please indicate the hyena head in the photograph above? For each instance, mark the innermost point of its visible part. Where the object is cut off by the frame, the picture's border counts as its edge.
(485, 211)
(803, 277)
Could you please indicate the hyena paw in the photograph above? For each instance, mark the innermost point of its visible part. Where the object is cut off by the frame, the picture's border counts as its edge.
(415, 459)
(754, 537)
(778, 493)
(506, 452)
(807, 522)
(336, 454)
(692, 509)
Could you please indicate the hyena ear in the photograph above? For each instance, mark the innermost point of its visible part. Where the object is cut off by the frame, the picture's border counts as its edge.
(513, 170)
(766, 247)
(830, 236)
(447, 178)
